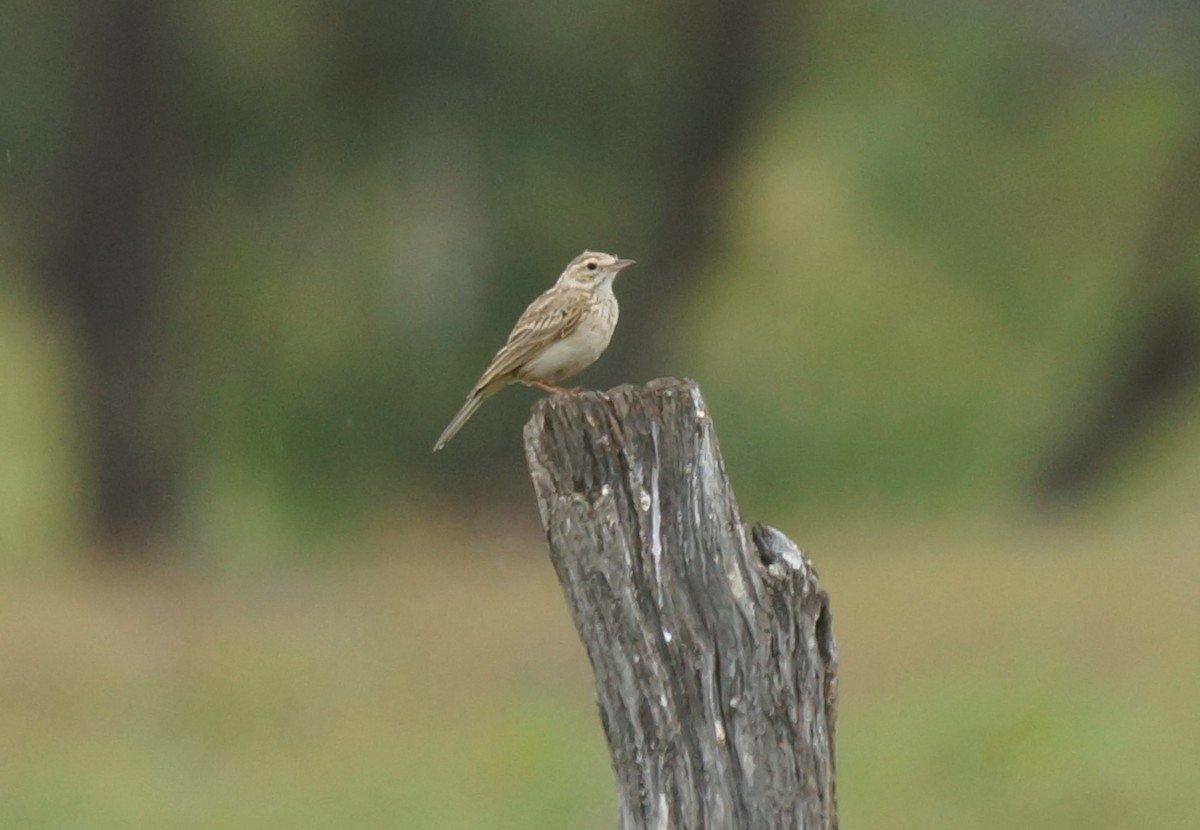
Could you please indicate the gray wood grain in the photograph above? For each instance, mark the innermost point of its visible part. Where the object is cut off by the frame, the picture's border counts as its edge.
(711, 643)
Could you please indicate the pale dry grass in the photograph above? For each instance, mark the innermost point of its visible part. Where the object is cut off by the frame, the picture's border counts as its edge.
(990, 678)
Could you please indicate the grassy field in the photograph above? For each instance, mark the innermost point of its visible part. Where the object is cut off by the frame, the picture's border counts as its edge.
(996, 677)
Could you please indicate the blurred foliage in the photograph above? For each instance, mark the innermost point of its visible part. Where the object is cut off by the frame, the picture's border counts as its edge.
(925, 272)
(939, 255)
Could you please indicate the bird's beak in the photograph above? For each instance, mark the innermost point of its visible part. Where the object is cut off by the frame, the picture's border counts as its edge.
(622, 264)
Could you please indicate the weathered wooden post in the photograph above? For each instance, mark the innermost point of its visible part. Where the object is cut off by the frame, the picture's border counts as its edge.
(711, 643)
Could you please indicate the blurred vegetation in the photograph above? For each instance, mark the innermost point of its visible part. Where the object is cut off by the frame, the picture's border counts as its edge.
(915, 255)
(931, 255)
(935, 265)
(1044, 676)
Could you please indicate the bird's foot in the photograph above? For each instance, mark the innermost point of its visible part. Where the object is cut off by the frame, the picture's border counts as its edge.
(546, 387)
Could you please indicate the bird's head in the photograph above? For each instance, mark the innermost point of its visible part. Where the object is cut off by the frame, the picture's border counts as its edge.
(591, 269)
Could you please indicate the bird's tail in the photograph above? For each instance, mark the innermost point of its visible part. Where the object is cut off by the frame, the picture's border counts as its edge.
(474, 401)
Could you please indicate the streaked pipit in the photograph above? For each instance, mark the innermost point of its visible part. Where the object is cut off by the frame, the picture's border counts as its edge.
(560, 334)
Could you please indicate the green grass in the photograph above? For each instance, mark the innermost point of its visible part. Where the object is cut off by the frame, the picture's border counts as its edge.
(1040, 678)
(991, 678)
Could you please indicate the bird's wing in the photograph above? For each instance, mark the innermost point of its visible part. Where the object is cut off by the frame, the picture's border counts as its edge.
(552, 316)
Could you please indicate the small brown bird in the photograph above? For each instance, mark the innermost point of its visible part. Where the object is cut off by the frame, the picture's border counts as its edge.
(559, 335)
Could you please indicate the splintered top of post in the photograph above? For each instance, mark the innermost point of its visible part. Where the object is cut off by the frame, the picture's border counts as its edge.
(656, 398)
(665, 413)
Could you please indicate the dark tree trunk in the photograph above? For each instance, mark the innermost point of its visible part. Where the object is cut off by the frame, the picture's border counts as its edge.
(730, 48)
(711, 643)
(1160, 358)
(100, 239)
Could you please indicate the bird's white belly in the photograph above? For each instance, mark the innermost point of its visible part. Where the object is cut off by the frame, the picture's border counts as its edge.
(574, 353)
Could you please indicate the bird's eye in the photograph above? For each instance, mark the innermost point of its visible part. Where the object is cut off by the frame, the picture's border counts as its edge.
(591, 266)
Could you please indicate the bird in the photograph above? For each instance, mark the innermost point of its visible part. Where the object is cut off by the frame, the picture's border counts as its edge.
(560, 334)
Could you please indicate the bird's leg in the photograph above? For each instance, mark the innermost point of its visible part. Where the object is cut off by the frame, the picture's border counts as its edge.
(545, 387)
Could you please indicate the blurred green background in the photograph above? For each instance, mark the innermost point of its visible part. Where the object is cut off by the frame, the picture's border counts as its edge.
(936, 266)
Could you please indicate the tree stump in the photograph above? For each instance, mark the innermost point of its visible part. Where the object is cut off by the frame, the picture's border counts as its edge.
(711, 643)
